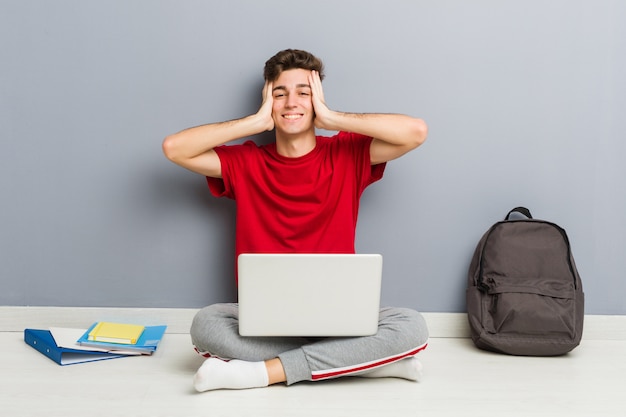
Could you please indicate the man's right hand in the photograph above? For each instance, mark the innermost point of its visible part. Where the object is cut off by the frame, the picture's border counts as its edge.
(266, 110)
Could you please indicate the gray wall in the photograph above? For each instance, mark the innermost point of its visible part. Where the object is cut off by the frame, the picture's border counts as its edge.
(524, 101)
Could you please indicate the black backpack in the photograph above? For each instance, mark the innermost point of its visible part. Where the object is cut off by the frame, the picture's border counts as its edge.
(524, 294)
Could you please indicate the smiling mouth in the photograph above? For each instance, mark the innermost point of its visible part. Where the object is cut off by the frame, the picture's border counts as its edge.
(292, 116)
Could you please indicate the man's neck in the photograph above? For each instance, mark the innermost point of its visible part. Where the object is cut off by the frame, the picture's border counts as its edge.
(293, 146)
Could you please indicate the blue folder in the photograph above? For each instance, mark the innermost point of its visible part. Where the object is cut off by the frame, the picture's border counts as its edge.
(43, 342)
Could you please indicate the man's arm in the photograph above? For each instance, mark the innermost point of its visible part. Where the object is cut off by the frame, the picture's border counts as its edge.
(394, 134)
(194, 148)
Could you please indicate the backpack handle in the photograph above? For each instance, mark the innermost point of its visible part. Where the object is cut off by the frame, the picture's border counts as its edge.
(521, 210)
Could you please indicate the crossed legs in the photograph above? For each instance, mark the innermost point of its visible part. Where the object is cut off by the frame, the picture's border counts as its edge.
(262, 361)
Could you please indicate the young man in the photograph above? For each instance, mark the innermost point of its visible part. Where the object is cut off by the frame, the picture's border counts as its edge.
(298, 195)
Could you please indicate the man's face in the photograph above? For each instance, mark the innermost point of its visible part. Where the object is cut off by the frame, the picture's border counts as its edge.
(292, 108)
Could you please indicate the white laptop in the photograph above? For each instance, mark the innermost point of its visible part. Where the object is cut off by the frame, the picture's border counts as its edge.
(309, 294)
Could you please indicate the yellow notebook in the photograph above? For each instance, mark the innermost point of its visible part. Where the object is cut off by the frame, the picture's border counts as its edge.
(116, 333)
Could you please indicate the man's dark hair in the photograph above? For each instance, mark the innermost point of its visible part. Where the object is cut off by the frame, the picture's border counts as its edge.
(292, 59)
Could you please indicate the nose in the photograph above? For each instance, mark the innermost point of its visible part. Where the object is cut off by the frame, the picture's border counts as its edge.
(291, 101)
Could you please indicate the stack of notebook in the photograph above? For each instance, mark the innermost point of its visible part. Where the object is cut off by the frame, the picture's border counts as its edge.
(102, 340)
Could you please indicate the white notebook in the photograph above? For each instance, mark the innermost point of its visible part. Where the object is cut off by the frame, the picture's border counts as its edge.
(309, 294)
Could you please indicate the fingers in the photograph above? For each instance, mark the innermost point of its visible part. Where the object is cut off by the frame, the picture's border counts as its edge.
(266, 107)
(267, 90)
(268, 97)
(322, 112)
(316, 85)
(318, 93)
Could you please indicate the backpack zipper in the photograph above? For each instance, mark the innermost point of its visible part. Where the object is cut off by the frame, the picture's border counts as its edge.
(493, 309)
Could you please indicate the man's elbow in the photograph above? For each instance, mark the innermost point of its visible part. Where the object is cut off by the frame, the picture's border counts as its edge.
(170, 148)
(419, 132)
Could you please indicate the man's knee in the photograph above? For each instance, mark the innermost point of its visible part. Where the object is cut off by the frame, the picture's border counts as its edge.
(408, 324)
(210, 324)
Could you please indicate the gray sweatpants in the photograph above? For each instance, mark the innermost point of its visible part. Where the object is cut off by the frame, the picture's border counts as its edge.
(402, 333)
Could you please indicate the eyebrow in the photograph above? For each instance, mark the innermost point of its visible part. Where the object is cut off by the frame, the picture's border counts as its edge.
(282, 87)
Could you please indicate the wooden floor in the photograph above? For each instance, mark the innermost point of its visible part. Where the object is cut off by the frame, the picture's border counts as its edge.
(458, 380)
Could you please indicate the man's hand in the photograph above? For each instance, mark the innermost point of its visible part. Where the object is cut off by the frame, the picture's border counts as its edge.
(265, 112)
(322, 113)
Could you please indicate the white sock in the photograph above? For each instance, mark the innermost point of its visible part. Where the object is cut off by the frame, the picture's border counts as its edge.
(235, 374)
(409, 368)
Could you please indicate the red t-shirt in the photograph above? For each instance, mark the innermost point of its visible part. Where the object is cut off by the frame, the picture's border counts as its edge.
(307, 204)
